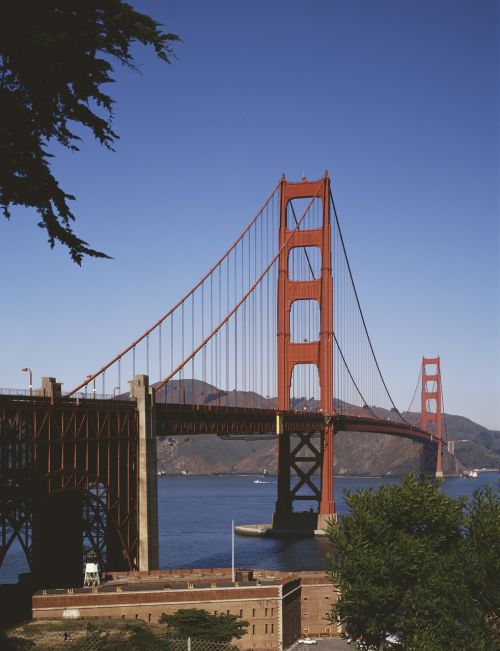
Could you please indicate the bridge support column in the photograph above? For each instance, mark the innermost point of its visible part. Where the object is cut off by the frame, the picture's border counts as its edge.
(304, 455)
(147, 489)
(50, 388)
(428, 459)
(58, 541)
(327, 510)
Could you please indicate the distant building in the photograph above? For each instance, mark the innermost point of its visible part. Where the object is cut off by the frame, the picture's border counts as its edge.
(279, 606)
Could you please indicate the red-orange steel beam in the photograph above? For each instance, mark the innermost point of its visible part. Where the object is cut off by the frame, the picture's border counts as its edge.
(318, 353)
(432, 421)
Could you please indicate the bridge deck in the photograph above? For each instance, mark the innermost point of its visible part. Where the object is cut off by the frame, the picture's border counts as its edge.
(179, 419)
(175, 419)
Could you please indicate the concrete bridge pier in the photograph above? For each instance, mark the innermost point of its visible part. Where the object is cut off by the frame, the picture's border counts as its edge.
(147, 510)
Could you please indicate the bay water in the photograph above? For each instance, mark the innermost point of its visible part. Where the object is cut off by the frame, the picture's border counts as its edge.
(195, 515)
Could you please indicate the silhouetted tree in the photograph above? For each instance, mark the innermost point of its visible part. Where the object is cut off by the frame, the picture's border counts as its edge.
(202, 625)
(55, 57)
(412, 561)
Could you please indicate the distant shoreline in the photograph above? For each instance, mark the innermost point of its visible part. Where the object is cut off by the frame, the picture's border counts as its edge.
(271, 476)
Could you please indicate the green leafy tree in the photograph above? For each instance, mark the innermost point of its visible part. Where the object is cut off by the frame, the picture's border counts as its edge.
(55, 57)
(481, 553)
(202, 625)
(398, 563)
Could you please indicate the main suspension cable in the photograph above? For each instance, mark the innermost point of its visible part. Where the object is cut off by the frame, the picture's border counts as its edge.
(334, 336)
(360, 310)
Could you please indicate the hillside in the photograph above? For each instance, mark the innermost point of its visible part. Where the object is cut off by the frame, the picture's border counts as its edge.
(355, 453)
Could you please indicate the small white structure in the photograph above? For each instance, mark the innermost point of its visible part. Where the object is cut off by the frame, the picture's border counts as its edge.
(91, 577)
(71, 613)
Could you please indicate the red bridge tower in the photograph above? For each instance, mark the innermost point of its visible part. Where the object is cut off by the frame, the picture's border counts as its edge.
(432, 401)
(317, 353)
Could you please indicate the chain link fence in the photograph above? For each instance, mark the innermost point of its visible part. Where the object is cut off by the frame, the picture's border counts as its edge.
(97, 641)
(174, 644)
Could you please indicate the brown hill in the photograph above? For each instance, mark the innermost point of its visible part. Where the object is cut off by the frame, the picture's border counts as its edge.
(355, 453)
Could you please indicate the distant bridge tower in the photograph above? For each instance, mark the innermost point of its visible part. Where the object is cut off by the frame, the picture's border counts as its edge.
(318, 288)
(432, 401)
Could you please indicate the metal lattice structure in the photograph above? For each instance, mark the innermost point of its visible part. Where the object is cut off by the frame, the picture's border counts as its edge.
(68, 483)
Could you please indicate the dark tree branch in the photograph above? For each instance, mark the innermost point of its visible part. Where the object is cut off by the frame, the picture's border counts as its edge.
(51, 75)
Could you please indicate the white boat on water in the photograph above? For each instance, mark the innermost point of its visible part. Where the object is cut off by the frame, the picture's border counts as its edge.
(470, 474)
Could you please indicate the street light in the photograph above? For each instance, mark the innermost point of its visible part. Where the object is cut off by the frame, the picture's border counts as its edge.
(114, 391)
(28, 370)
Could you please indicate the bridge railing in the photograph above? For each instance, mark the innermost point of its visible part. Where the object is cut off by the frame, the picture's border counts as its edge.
(90, 395)
(13, 392)
(82, 395)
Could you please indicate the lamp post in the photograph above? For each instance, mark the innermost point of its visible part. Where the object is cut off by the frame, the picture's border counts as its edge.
(115, 390)
(28, 370)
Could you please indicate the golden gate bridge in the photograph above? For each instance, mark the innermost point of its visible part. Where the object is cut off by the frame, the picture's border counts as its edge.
(272, 340)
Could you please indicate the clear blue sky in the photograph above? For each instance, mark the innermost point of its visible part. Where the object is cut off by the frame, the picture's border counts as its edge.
(398, 99)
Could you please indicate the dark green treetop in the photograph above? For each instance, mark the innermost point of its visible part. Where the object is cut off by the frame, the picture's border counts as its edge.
(202, 625)
(402, 562)
(481, 553)
(55, 57)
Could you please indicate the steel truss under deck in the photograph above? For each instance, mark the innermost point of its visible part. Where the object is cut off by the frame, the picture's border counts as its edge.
(68, 481)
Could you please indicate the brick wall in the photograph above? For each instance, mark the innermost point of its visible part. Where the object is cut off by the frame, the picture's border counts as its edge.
(317, 598)
(258, 605)
(306, 599)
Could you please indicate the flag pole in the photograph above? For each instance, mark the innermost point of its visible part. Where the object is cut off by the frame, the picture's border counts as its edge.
(232, 550)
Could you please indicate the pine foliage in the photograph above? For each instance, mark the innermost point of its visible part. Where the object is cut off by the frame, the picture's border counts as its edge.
(55, 58)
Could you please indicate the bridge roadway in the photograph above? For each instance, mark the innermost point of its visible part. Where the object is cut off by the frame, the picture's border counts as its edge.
(179, 419)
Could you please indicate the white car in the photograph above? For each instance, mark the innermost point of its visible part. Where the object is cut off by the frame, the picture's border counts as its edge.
(307, 640)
